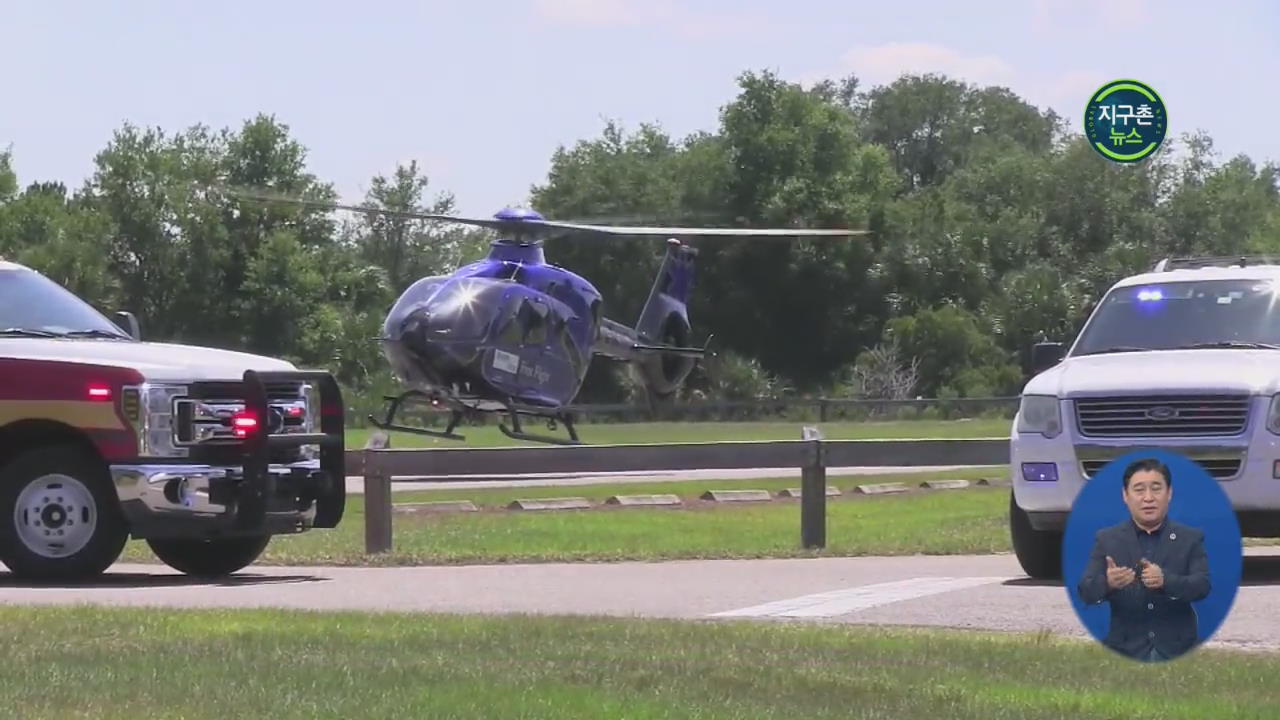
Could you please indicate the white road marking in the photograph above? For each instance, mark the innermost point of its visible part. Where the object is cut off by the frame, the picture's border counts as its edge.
(847, 600)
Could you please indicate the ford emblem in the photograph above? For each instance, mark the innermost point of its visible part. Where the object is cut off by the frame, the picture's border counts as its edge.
(1162, 412)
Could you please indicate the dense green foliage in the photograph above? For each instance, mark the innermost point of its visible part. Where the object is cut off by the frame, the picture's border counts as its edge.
(993, 223)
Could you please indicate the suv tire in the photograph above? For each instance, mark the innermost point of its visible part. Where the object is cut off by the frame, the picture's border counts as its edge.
(1039, 551)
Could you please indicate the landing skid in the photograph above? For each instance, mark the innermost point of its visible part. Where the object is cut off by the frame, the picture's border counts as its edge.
(396, 401)
(516, 433)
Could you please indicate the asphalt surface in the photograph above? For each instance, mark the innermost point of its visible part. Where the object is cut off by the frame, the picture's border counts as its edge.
(355, 484)
(987, 592)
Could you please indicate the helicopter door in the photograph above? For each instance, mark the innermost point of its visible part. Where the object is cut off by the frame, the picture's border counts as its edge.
(535, 328)
(532, 318)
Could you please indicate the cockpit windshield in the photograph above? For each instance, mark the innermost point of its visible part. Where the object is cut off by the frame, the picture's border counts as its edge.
(1202, 313)
(32, 304)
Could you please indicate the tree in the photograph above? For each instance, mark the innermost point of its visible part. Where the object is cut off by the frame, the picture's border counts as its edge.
(796, 159)
(957, 355)
(408, 249)
(930, 124)
(8, 178)
(881, 373)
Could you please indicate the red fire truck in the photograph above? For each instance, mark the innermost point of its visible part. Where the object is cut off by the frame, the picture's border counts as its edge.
(203, 453)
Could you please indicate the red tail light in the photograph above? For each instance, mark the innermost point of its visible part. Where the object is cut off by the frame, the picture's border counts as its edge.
(99, 391)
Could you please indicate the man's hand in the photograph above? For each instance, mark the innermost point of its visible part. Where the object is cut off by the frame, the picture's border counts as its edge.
(1118, 577)
(1152, 575)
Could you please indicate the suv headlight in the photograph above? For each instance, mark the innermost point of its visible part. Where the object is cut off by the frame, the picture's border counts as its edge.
(1040, 414)
(1273, 415)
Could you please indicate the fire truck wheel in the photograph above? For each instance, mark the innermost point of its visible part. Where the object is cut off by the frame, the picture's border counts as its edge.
(59, 516)
(209, 558)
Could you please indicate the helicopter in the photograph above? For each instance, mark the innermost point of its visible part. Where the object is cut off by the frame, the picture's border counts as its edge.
(514, 334)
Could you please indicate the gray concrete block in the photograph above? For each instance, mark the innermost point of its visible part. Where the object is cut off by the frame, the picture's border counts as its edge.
(737, 495)
(643, 500)
(435, 506)
(881, 488)
(945, 484)
(832, 491)
(569, 503)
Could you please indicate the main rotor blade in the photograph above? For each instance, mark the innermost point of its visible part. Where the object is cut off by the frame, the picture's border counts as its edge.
(549, 227)
(406, 214)
(640, 231)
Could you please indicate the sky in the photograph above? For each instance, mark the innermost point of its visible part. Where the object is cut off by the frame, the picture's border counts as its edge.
(481, 94)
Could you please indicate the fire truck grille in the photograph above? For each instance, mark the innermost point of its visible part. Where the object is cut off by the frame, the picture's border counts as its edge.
(204, 420)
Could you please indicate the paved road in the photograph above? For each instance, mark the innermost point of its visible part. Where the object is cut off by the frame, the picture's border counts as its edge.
(355, 484)
(974, 592)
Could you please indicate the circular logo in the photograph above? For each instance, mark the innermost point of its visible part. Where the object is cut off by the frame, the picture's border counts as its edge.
(1152, 566)
(1125, 121)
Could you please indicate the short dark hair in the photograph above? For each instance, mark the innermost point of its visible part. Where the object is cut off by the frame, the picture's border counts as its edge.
(1148, 464)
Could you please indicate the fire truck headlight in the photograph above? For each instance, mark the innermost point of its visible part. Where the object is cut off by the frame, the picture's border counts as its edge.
(149, 410)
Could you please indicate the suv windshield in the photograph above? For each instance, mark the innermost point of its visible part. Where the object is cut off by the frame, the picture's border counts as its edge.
(33, 303)
(1203, 313)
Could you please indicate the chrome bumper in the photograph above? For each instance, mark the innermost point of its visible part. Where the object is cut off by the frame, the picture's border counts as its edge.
(193, 490)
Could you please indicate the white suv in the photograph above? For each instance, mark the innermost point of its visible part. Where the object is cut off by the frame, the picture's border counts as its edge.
(1185, 358)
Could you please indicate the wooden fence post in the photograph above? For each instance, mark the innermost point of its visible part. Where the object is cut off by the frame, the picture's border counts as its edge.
(813, 493)
(377, 496)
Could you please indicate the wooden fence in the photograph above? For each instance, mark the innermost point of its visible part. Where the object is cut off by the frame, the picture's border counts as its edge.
(380, 466)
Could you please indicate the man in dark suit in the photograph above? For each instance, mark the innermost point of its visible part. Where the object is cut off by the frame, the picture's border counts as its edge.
(1150, 569)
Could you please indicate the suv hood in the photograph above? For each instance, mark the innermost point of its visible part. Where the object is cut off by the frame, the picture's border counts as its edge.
(1127, 373)
(158, 362)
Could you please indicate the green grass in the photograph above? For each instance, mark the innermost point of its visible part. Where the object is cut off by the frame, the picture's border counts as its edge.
(673, 432)
(122, 664)
(965, 521)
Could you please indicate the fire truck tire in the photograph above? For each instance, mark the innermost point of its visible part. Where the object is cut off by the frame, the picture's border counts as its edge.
(60, 519)
(209, 558)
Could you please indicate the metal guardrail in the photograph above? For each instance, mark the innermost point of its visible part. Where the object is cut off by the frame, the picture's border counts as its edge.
(820, 409)
(380, 467)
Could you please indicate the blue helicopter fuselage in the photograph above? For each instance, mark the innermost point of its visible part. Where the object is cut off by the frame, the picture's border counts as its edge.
(508, 328)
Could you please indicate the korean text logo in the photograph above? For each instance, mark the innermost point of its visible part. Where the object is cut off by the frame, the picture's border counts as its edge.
(1125, 121)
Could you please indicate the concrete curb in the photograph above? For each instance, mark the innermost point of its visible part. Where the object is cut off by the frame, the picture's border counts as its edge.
(643, 500)
(570, 503)
(737, 495)
(880, 488)
(435, 506)
(832, 491)
(945, 484)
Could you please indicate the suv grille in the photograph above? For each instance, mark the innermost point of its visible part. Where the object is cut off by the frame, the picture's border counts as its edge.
(1162, 416)
(1218, 468)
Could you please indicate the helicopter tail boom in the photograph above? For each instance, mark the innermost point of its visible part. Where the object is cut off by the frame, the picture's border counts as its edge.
(620, 342)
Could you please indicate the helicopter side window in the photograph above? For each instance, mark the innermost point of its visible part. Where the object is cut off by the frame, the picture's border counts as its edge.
(567, 346)
(515, 328)
(535, 330)
(512, 327)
